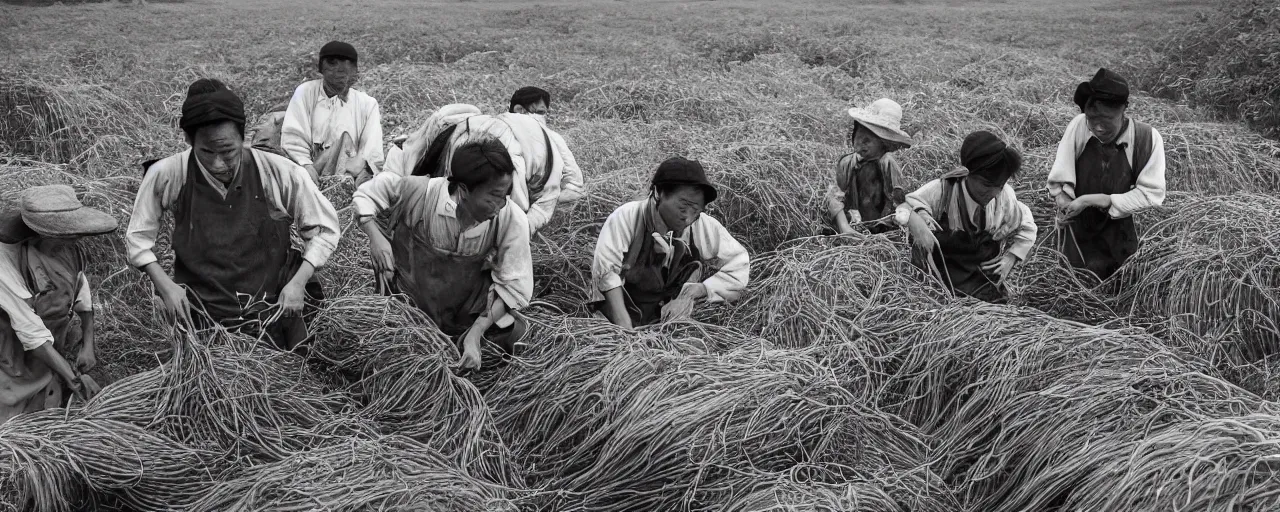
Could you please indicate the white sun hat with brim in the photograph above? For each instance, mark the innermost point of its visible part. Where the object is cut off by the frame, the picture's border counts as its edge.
(52, 211)
(884, 118)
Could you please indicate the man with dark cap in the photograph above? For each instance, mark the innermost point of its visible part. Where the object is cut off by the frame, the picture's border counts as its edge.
(330, 128)
(232, 207)
(656, 257)
(1108, 168)
(459, 247)
(968, 226)
(535, 103)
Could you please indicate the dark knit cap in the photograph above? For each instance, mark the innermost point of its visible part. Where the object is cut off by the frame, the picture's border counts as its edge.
(202, 108)
(680, 171)
(1106, 86)
(986, 155)
(339, 49)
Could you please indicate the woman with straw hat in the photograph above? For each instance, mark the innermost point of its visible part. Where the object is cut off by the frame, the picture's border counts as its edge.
(42, 285)
(234, 211)
(656, 257)
(459, 247)
(968, 226)
(869, 183)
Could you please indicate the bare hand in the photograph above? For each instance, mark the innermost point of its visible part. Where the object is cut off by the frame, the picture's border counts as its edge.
(922, 233)
(384, 262)
(679, 309)
(1080, 204)
(86, 359)
(1062, 200)
(1000, 265)
(568, 196)
(291, 299)
(86, 388)
(177, 309)
(471, 349)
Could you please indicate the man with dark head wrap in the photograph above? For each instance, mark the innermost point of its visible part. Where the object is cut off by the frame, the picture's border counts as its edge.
(1108, 168)
(968, 226)
(459, 247)
(232, 207)
(536, 103)
(328, 121)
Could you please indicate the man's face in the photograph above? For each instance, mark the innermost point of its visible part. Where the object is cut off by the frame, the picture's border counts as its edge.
(1105, 121)
(680, 207)
(339, 74)
(983, 189)
(218, 147)
(487, 199)
(867, 144)
(539, 107)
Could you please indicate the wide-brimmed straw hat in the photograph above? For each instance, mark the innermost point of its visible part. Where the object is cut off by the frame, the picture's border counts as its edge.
(52, 211)
(884, 118)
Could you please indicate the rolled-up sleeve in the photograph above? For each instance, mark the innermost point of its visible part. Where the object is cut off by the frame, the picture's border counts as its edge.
(513, 271)
(1149, 190)
(313, 214)
(611, 248)
(376, 195)
(720, 248)
(923, 199)
(159, 187)
(571, 179)
(1062, 176)
(26, 324)
(84, 296)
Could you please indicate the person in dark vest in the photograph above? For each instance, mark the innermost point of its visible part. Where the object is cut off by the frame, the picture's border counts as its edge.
(869, 183)
(657, 257)
(536, 103)
(1108, 167)
(42, 286)
(968, 226)
(459, 245)
(232, 208)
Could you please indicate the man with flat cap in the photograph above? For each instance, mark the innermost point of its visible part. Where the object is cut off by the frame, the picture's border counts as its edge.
(330, 128)
(42, 286)
(1108, 167)
(233, 207)
(657, 257)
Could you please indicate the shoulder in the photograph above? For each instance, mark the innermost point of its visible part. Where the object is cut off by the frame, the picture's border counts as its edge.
(306, 88)
(1077, 124)
(169, 166)
(888, 161)
(709, 224)
(364, 98)
(277, 164)
(511, 216)
(628, 210)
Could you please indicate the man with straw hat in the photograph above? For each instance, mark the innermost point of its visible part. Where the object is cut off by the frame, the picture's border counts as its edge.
(968, 226)
(42, 284)
(330, 128)
(869, 183)
(1108, 167)
(656, 257)
(233, 209)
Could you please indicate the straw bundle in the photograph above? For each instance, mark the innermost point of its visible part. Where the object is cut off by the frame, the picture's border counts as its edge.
(785, 494)
(615, 424)
(386, 473)
(62, 464)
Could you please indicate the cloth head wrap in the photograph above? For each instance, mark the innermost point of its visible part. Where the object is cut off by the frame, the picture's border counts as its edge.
(478, 162)
(202, 109)
(986, 155)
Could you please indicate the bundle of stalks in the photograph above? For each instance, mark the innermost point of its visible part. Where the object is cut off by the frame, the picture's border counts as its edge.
(1042, 448)
(384, 473)
(68, 122)
(398, 366)
(1215, 464)
(785, 493)
(1209, 276)
(612, 423)
(1047, 282)
(61, 464)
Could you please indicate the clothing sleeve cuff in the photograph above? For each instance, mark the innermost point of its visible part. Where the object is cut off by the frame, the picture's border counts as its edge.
(714, 293)
(513, 302)
(29, 344)
(1020, 250)
(1118, 209)
(317, 252)
(143, 259)
(608, 282)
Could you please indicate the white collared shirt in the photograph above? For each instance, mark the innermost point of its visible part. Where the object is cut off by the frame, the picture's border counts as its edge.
(314, 118)
(15, 297)
(1147, 192)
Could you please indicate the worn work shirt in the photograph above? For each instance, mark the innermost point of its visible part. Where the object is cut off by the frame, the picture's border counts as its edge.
(527, 146)
(313, 118)
(718, 248)
(1007, 219)
(877, 184)
(14, 297)
(1148, 192)
(287, 185)
(512, 273)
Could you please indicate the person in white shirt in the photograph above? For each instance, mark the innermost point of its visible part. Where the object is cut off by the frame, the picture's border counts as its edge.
(657, 257)
(234, 209)
(329, 124)
(968, 226)
(42, 284)
(1108, 168)
(459, 247)
(536, 103)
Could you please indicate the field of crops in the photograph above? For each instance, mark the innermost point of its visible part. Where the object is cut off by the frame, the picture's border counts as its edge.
(843, 380)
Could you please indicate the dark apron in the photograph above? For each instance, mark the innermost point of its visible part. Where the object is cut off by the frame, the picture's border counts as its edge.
(452, 289)
(964, 247)
(1094, 240)
(867, 194)
(26, 383)
(647, 284)
(234, 255)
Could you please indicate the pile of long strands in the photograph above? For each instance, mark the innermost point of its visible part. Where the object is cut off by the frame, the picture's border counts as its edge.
(56, 463)
(382, 473)
(398, 367)
(661, 420)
